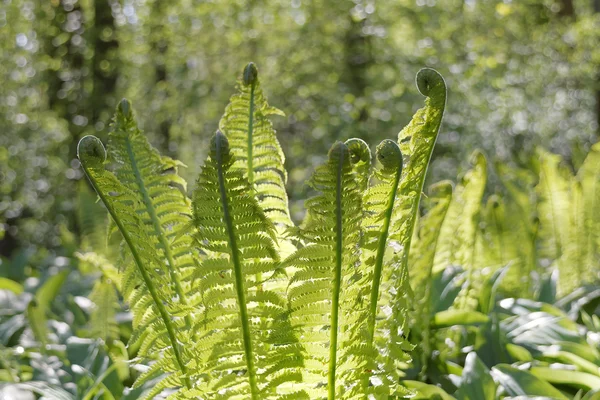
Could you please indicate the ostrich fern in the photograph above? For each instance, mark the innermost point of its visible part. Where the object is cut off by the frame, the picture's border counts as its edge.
(224, 306)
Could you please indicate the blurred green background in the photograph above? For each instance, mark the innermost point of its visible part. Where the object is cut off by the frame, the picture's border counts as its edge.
(520, 74)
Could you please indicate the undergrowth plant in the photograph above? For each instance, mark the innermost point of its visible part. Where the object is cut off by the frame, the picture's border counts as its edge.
(230, 299)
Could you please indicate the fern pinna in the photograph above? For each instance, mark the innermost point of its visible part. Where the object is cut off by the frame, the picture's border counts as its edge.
(224, 306)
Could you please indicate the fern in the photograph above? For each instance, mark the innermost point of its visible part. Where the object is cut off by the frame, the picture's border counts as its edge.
(161, 200)
(553, 205)
(322, 292)
(422, 258)
(215, 308)
(239, 310)
(460, 231)
(145, 283)
(106, 304)
(255, 147)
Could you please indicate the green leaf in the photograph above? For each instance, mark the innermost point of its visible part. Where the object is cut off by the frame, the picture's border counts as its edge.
(8, 284)
(476, 382)
(38, 307)
(567, 377)
(426, 391)
(517, 382)
(448, 318)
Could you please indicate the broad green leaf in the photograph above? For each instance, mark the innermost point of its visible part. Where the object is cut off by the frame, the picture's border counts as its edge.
(426, 391)
(517, 382)
(476, 382)
(567, 377)
(445, 319)
(8, 284)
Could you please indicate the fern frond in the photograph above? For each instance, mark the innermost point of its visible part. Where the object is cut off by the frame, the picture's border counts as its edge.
(428, 234)
(145, 281)
(255, 147)
(553, 205)
(580, 261)
(421, 263)
(161, 200)
(242, 345)
(522, 224)
(106, 305)
(460, 230)
(322, 293)
(505, 239)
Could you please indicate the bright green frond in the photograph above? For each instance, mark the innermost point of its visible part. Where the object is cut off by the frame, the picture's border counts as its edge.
(581, 259)
(161, 200)
(106, 305)
(553, 205)
(242, 346)
(323, 291)
(146, 279)
(459, 233)
(421, 263)
(253, 142)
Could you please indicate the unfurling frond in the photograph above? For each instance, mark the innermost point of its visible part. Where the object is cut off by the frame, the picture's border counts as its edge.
(146, 281)
(322, 292)
(241, 346)
(253, 143)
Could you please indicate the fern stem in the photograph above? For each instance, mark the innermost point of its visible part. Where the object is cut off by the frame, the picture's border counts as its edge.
(382, 245)
(146, 278)
(237, 268)
(250, 132)
(333, 339)
(158, 229)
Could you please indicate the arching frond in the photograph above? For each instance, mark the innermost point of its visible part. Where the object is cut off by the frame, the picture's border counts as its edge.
(255, 147)
(146, 279)
(242, 347)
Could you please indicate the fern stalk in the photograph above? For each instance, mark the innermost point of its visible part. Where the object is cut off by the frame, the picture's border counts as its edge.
(337, 279)
(237, 267)
(91, 150)
(250, 74)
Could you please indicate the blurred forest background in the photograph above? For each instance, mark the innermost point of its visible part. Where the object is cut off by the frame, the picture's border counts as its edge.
(520, 74)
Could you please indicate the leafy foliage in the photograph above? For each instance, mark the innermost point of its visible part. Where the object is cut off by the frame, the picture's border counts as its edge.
(230, 300)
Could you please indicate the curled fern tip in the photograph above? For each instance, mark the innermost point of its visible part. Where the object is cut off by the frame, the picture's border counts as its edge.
(359, 150)
(430, 82)
(90, 150)
(124, 108)
(337, 150)
(389, 155)
(250, 74)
